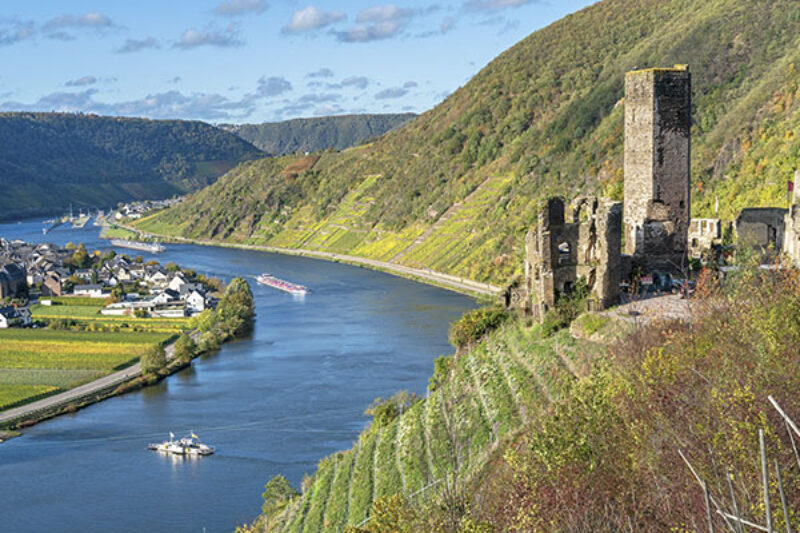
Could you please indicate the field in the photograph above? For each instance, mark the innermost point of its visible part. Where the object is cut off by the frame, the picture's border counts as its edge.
(88, 313)
(37, 363)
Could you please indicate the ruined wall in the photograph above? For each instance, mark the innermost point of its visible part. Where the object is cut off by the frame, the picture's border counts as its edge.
(791, 236)
(657, 166)
(560, 251)
(703, 234)
(761, 228)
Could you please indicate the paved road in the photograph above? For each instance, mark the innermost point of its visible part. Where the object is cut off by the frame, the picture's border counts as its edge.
(438, 278)
(98, 385)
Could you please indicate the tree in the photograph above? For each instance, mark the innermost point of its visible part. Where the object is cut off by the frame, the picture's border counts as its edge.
(185, 348)
(236, 309)
(81, 258)
(278, 493)
(153, 359)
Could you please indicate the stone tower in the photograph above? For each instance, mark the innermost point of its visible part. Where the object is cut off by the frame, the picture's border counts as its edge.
(657, 167)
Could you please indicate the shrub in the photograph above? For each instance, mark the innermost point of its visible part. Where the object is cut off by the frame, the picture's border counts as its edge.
(154, 359)
(475, 324)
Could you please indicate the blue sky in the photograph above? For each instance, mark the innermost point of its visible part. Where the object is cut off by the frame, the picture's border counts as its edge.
(253, 60)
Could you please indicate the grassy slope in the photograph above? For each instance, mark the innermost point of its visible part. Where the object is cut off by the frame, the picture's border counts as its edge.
(543, 118)
(49, 160)
(486, 394)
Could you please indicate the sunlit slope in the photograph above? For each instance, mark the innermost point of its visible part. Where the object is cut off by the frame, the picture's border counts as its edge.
(481, 400)
(456, 189)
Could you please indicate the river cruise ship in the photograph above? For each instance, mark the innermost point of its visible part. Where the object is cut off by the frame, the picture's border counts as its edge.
(152, 247)
(276, 283)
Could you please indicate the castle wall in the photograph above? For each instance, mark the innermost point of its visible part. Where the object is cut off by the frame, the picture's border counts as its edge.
(657, 166)
(562, 250)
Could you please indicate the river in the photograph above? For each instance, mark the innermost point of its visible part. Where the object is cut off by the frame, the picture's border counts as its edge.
(274, 403)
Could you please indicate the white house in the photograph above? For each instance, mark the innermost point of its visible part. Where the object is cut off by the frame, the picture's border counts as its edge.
(177, 281)
(165, 297)
(92, 291)
(13, 316)
(196, 302)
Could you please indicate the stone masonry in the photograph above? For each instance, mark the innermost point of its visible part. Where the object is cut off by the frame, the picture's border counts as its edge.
(657, 167)
(561, 251)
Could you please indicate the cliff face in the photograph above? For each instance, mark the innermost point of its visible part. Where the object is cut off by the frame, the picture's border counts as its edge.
(457, 188)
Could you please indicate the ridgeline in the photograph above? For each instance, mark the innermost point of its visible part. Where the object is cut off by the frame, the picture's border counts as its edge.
(455, 189)
(51, 160)
(314, 134)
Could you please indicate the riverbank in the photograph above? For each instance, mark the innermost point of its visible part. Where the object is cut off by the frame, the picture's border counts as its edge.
(233, 318)
(430, 277)
(70, 401)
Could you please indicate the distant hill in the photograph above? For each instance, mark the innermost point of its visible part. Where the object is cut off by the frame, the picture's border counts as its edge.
(49, 160)
(313, 134)
(456, 189)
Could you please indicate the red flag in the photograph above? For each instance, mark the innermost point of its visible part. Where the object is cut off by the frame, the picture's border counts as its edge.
(790, 186)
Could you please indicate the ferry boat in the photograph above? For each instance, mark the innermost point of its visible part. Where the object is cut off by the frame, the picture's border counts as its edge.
(188, 445)
(152, 247)
(272, 281)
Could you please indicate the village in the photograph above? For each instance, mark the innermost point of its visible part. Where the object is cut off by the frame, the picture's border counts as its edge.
(39, 273)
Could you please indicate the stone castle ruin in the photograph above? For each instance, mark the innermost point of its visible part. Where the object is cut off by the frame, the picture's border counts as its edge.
(655, 223)
(656, 209)
(586, 246)
(657, 167)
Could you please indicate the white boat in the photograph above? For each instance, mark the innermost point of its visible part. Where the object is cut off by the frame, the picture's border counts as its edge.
(188, 445)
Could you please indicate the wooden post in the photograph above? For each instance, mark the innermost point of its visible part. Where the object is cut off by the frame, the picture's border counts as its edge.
(783, 498)
(765, 479)
(722, 513)
(733, 499)
(708, 508)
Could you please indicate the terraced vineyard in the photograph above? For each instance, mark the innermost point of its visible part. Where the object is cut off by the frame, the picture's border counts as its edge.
(486, 396)
(38, 363)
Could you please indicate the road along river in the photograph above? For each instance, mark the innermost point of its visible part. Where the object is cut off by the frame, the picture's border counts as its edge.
(273, 403)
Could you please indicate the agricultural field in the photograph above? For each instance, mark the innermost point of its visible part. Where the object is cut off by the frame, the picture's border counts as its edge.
(35, 363)
(88, 313)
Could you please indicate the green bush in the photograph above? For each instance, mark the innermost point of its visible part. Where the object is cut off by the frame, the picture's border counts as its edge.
(475, 324)
(154, 359)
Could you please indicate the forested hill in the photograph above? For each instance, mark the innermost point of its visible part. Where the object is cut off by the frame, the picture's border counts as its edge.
(49, 160)
(313, 134)
(456, 189)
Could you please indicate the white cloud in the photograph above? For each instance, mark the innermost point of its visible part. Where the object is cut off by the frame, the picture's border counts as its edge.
(488, 5)
(273, 86)
(136, 45)
(170, 104)
(410, 85)
(81, 82)
(232, 8)
(360, 82)
(14, 31)
(312, 18)
(210, 36)
(89, 20)
(376, 23)
(321, 73)
(393, 92)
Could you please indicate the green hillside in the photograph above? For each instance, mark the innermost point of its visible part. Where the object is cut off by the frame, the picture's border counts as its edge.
(528, 431)
(49, 160)
(314, 134)
(456, 189)
(477, 402)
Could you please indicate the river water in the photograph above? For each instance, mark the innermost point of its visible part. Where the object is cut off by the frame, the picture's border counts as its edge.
(272, 404)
